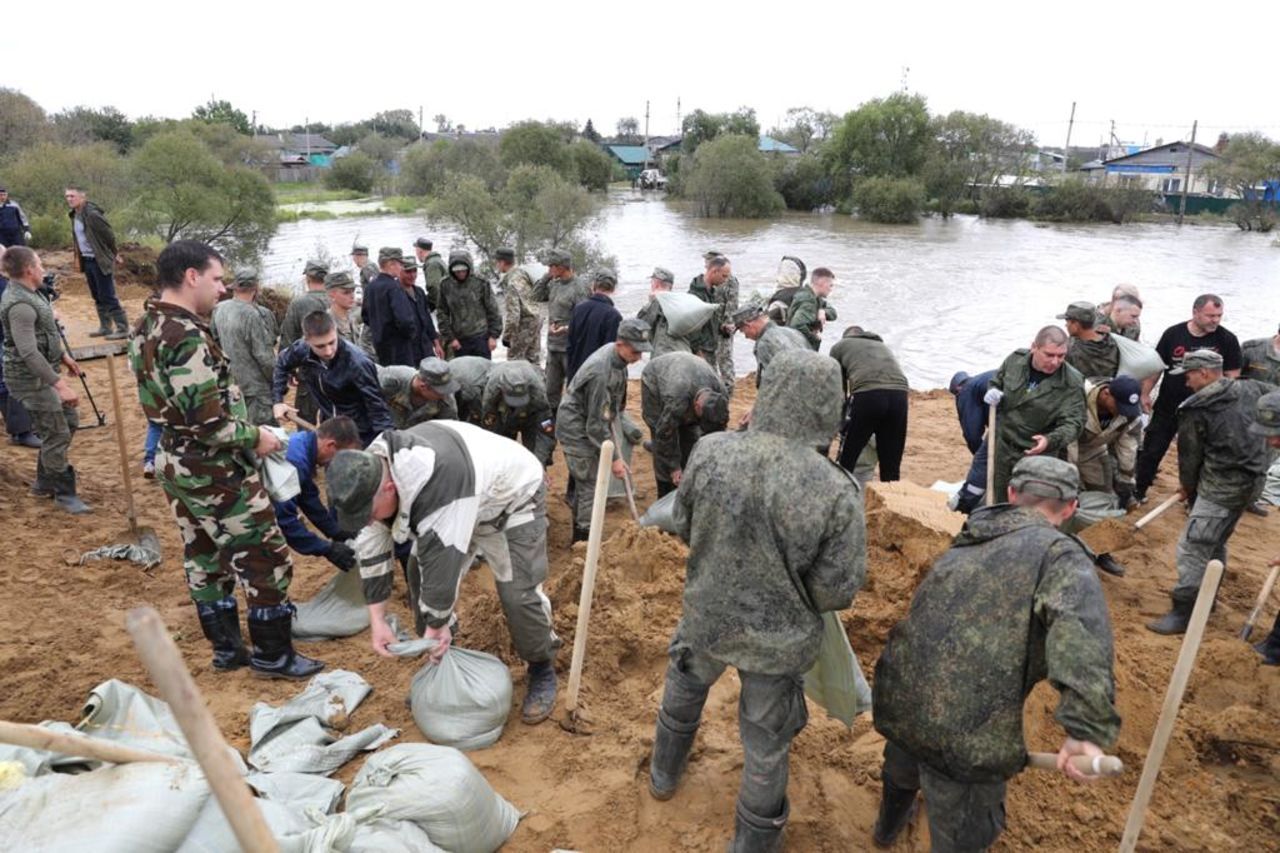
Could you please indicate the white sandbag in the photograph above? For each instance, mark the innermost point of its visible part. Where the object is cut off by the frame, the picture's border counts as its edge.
(279, 476)
(294, 830)
(298, 791)
(836, 681)
(391, 836)
(464, 700)
(685, 312)
(1137, 359)
(660, 514)
(440, 790)
(130, 808)
(337, 610)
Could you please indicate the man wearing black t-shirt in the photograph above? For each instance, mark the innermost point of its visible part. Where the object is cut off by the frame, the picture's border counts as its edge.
(1202, 331)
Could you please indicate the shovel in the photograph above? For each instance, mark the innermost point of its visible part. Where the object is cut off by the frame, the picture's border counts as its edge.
(143, 536)
(1267, 586)
(626, 478)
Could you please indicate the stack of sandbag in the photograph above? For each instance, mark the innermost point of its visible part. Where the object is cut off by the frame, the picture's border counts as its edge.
(464, 700)
(337, 610)
(439, 791)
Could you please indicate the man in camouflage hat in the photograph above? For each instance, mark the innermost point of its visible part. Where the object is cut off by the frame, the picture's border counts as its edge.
(776, 538)
(514, 405)
(1222, 464)
(341, 288)
(366, 269)
(471, 372)
(522, 321)
(421, 394)
(472, 492)
(1095, 354)
(594, 321)
(594, 400)
(470, 321)
(661, 280)
(770, 337)
(206, 467)
(714, 341)
(681, 398)
(246, 331)
(433, 269)
(1267, 425)
(810, 310)
(314, 298)
(952, 680)
(400, 326)
(561, 290)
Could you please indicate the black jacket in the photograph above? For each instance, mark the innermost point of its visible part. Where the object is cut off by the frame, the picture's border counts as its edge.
(399, 322)
(347, 385)
(593, 324)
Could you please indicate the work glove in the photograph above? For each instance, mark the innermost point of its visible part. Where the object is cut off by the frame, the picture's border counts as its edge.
(993, 397)
(342, 555)
(26, 236)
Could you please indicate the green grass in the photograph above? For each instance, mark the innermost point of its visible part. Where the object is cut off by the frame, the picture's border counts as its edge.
(316, 192)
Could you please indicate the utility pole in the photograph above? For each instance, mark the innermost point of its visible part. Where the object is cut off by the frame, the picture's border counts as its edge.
(679, 126)
(306, 132)
(1066, 151)
(421, 128)
(1186, 184)
(646, 134)
(255, 122)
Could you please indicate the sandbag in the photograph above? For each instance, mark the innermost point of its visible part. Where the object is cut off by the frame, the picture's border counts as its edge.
(279, 476)
(685, 312)
(1271, 488)
(391, 836)
(439, 790)
(1137, 359)
(660, 514)
(298, 791)
(836, 681)
(463, 701)
(1094, 507)
(294, 831)
(337, 610)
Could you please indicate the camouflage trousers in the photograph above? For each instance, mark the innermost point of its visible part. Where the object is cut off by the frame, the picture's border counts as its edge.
(962, 816)
(724, 363)
(259, 407)
(582, 460)
(229, 531)
(1204, 538)
(556, 372)
(53, 423)
(525, 341)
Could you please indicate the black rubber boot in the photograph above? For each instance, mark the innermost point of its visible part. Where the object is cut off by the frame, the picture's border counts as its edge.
(270, 629)
(755, 834)
(122, 326)
(220, 621)
(540, 693)
(64, 494)
(580, 534)
(897, 809)
(1270, 647)
(43, 485)
(672, 742)
(1175, 621)
(1108, 564)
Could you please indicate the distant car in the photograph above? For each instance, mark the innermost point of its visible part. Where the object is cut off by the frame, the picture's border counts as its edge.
(652, 179)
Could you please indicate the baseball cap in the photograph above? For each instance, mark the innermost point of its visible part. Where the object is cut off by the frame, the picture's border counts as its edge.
(423, 243)
(636, 333)
(246, 277)
(1047, 477)
(315, 269)
(353, 478)
(505, 253)
(1081, 312)
(339, 281)
(1267, 415)
(409, 262)
(663, 274)
(558, 258)
(515, 390)
(1198, 359)
(390, 253)
(436, 373)
(1127, 392)
(358, 249)
(750, 310)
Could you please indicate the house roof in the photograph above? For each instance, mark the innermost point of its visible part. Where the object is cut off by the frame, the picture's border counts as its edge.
(630, 155)
(768, 144)
(1172, 148)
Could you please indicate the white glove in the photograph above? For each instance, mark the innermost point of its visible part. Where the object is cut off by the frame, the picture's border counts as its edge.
(993, 396)
(26, 235)
(1145, 420)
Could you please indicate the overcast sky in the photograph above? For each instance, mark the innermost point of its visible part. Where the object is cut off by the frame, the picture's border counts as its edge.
(1152, 67)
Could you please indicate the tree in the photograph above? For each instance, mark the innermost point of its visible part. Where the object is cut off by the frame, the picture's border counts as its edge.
(889, 199)
(232, 147)
(1248, 160)
(85, 125)
(700, 126)
(425, 169)
(222, 112)
(402, 124)
(592, 166)
(970, 151)
(467, 204)
(886, 137)
(383, 149)
(590, 133)
(442, 123)
(37, 177)
(357, 171)
(538, 144)
(730, 177)
(22, 122)
(628, 131)
(804, 183)
(805, 128)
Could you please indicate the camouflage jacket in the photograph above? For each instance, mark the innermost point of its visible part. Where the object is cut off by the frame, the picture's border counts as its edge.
(595, 397)
(519, 309)
(533, 422)
(299, 307)
(471, 373)
(668, 386)
(1103, 318)
(1260, 361)
(560, 295)
(354, 330)
(1098, 359)
(396, 382)
(1219, 458)
(1119, 436)
(246, 333)
(433, 272)
(725, 297)
(468, 308)
(867, 364)
(776, 532)
(662, 340)
(185, 384)
(1013, 602)
(773, 340)
(1054, 408)
(803, 315)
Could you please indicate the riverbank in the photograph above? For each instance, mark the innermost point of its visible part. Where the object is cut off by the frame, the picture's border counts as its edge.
(65, 634)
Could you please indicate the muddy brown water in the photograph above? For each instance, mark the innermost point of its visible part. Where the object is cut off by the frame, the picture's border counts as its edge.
(946, 295)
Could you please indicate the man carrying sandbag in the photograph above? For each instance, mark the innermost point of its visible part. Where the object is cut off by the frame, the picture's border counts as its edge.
(467, 492)
(767, 556)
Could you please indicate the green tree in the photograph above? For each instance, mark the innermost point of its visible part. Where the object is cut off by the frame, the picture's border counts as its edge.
(1248, 160)
(37, 177)
(970, 151)
(806, 128)
(885, 137)
(85, 125)
(442, 123)
(467, 204)
(223, 112)
(700, 126)
(232, 147)
(592, 166)
(730, 177)
(357, 171)
(402, 124)
(590, 133)
(425, 168)
(629, 131)
(804, 183)
(381, 148)
(22, 122)
(538, 144)
(889, 199)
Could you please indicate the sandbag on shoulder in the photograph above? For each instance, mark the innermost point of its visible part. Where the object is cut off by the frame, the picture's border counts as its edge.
(685, 312)
(1137, 359)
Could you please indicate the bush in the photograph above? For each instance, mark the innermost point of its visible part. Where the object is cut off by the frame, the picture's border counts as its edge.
(730, 177)
(1253, 216)
(1077, 201)
(425, 169)
(49, 231)
(356, 171)
(38, 176)
(592, 165)
(894, 200)
(1005, 203)
(804, 183)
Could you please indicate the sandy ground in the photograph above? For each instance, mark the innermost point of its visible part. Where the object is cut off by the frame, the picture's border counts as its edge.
(1217, 790)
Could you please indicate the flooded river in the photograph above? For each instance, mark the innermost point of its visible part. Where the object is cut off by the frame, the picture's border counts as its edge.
(945, 295)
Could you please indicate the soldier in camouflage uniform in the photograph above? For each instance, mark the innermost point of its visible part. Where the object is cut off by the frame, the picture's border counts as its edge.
(714, 341)
(1267, 426)
(433, 270)
(681, 397)
(810, 310)
(522, 321)
(776, 538)
(1260, 359)
(33, 356)
(1222, 464)
(416, 396)
(661, 280)
(470, 322)
(206, 467)
(1123, 314)
(1095, 354)
(246, 331)
(1012, 603)
(515, 406)
(313, 299)
(471, 372)
(594, 400)
(365, 268)
(341, 289)
(561, 290)
(770, 337)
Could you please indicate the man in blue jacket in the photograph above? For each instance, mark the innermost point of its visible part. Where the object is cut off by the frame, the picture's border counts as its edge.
(340, 377)
(307, 452)
(594, 321)
(401, 329)
(972, 411)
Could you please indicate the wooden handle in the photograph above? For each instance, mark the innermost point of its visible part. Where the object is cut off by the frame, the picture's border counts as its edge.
(991, 455)
(38, 737)
(164, 664)
(626, 478)
(123, 444)
(1172, 701)
(1097, 765)
(293, 416)
(1151, 516)
(1260, 603)
(589, 574)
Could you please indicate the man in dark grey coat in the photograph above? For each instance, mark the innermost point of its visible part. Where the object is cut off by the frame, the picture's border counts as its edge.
(94, 243)
(681, 397)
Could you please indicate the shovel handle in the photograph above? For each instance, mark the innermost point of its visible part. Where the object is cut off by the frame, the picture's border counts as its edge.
(302, 422)
(1267, 586)
(991, 455)
(589, 575)
(1151, 516)
(38, 737)
(1095, 765)
(123, 444)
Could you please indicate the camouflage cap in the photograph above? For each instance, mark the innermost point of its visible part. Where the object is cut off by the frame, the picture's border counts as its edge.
(1267, 415)
(750, 310)
(435, 372)
(636, 333)
(712, 253)
(1047, 477)
(604, 277)
(339, 281)
(358, 249)
(390, 253)
(315, 269)
(1081, 312)
(409, 262)
(353, 478)
(423, 243)
(715, 411)
(515, 390)
(1198, 359)
(505, 253)
(559, 258)
(245, 278)
(663, 274)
